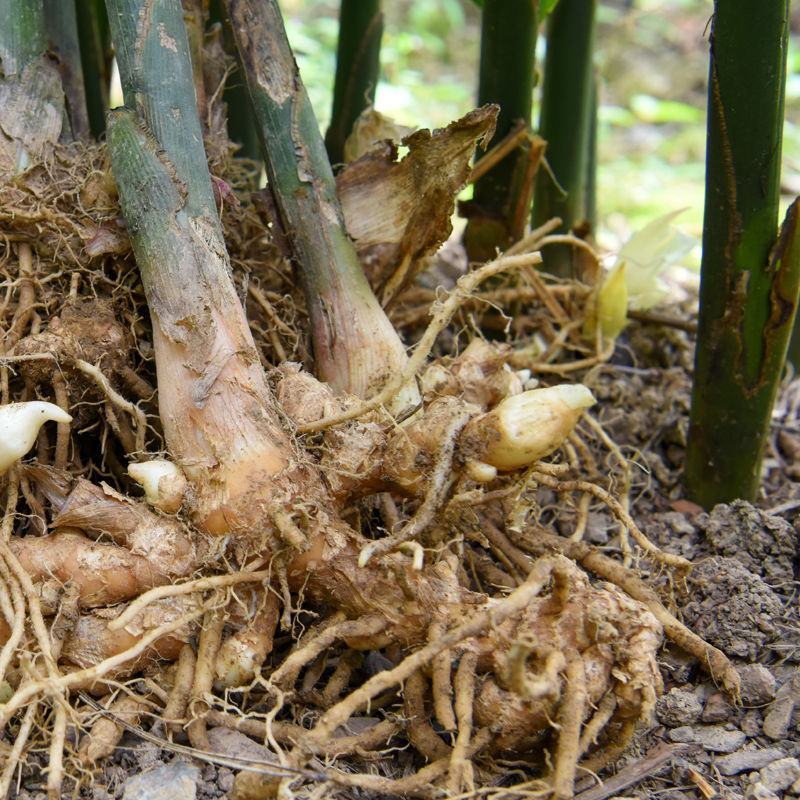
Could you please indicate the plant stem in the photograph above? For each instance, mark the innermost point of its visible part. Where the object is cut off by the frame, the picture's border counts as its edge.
(355, 346)
(62, 40)
(155, 70)
(194, 20)
(508, 48)
(96, 61)
(748, 290)
(21, 34)
(31, 96)
(590, 187)
(241, 126)
(213, 399)
(565, 123)
(357, 66)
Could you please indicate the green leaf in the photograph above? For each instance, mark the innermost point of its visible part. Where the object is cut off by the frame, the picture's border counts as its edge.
(546, 8)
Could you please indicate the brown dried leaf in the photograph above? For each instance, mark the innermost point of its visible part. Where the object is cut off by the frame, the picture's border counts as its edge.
(398, 212)
(370, 130)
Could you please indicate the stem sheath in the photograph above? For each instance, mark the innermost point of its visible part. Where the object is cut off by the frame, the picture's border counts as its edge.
(749, 285)
(355, 346)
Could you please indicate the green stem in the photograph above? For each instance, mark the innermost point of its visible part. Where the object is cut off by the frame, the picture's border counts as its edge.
(62, 39)
(357, 66)
(241, 126)
(508, 48)
(214, 402)
(565, 123)
(95, 49)
(355, 346)
(748, 291)
(194, 20)
(155, 70)
(590, 186)
(21, 34)
(31, 96)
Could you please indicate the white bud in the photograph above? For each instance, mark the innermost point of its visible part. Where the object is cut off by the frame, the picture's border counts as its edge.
(480, 472)
(524, 375)
(524, 428)
(163, 483)
(19, 427)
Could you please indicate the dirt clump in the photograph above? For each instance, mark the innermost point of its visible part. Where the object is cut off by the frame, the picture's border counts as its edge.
(735, 609)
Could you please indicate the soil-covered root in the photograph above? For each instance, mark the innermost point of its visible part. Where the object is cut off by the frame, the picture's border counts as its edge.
(514, 655)
(104, 574)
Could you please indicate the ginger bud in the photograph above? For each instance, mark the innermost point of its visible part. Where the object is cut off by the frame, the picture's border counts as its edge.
(526, 427)
(19, 427)
(163, 483)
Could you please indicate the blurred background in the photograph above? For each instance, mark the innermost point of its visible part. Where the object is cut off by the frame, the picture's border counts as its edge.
(652, 57)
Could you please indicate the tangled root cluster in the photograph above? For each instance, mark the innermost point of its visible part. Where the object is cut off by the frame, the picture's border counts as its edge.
(443, 630)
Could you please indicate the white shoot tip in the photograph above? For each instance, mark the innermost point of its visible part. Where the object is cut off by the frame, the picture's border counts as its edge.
(162, 481)
(20, 424)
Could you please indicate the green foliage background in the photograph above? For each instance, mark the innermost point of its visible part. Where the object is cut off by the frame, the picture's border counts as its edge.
(653, 61)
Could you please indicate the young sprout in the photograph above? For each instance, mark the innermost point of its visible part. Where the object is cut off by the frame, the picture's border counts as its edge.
(19, 427)
(526, 427)
(163, 483)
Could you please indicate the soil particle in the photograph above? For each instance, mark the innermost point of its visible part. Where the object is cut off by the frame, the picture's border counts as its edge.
(763, 543)
(757, 684)
(713, 738)
(735, 609)
(751, 723)
(677, 708)
(778, 719)
(780, 774)
(674, 532)
(744, 760)
(717, 708)
(598, 528)
(756, 791)
(174, 781)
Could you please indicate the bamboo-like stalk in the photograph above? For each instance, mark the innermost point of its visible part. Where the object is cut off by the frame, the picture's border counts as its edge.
(194, 20)
(93, 35)
(356, 348)
(565, 123)
(62, 40)
(357, 66)
(749, 286)
(241, 126)
(214, 403)
(155, 70)
(508, 48)
(590, 185)
(21, 34)
(31, 95)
